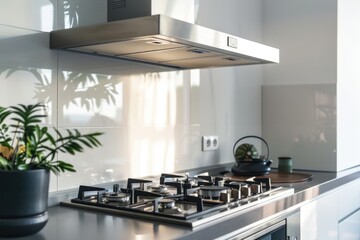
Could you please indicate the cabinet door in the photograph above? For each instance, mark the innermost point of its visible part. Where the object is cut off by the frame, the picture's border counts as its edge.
(349, 228)
(349, 211)
(319, 218)
(349, 199)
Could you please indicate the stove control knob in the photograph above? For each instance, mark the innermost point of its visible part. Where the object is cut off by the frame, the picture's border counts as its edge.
(255, 189)
(245, 191)
(116, 188)
(225, 197)
(236, 194)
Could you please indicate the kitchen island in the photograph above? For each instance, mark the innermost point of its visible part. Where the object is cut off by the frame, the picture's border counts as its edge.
(72, 223)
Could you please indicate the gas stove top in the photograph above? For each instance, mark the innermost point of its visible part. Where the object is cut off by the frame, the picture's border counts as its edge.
(178, 199)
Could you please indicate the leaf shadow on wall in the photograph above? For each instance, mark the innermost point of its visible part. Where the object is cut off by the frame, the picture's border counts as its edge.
(141, 100)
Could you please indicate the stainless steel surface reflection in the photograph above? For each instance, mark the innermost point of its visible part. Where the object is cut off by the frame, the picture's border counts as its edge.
(164, 41)
(69, 223)
(75, 224)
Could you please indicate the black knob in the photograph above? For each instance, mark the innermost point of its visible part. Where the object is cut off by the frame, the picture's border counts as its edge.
(116, 188)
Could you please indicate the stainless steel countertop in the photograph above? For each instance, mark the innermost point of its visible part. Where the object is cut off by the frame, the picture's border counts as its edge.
(69, 223)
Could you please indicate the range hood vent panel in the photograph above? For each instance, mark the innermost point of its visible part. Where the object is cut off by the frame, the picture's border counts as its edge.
(165, 41)
(136, 46)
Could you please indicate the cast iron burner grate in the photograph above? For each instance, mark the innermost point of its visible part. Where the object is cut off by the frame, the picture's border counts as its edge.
(190, 204)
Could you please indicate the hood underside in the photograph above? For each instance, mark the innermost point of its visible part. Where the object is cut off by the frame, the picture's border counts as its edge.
(164, 41)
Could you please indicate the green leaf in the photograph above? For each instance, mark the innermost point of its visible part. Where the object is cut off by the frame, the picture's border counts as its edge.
(66, 166)
(4, 163)
(41, 146)
(23, 167)
(4, 113)
(50, 138)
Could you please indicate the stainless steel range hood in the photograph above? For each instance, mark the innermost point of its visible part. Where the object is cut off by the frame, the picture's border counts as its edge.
(165, 41)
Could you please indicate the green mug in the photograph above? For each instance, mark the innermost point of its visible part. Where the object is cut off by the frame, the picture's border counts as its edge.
(285, 164)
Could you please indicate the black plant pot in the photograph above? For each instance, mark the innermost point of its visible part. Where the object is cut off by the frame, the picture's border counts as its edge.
(23, 202)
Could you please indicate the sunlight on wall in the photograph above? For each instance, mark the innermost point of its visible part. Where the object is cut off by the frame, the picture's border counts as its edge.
(89, 95)
(47, 16)
(42, 94)
(195, 78)
(72, 110)
(71, 16)
(152, 119)
(156, 99)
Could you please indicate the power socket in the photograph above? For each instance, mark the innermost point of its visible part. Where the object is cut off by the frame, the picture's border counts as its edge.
(209, 143)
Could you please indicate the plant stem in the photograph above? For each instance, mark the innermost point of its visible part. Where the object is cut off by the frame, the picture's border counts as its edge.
(13, 139)
(16, 149)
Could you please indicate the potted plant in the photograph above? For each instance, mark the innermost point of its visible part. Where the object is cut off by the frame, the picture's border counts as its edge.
(28, 152)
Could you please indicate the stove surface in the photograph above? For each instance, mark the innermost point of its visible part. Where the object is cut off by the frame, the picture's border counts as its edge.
(180, 200)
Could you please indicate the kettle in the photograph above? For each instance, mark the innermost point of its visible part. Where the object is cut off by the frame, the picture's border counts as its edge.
(247, 160)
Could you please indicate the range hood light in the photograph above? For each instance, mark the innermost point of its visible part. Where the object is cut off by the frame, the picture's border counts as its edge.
(230, 59)
(158, 42)
(200, 51)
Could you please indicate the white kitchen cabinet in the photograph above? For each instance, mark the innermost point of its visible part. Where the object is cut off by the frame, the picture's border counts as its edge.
(349, 199)
(349, 228)
(335, 215)
(319, 218)
(349, 211)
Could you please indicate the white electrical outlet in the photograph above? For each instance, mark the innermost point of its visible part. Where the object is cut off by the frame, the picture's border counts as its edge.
(209, 143)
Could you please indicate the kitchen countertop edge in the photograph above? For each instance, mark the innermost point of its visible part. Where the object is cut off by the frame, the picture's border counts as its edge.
(320, 184)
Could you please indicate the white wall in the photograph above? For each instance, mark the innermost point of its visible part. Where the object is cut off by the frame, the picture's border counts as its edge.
(348, 84)
(306, 34)
(299, 94)
(228, 100)
(153, 117)
(310, 99)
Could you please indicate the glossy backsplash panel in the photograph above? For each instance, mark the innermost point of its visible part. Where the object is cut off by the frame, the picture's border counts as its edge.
(145, 117)
(28, 72)
(153, 118)
(300, 121)
(144, 111)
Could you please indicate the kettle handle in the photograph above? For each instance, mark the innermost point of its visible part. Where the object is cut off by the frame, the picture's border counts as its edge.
(252, 136)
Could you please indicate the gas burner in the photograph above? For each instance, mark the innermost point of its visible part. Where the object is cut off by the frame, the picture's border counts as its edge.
(166, 203)
(159, 189)
(212, 192)
(168, 206)
(116, 197)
